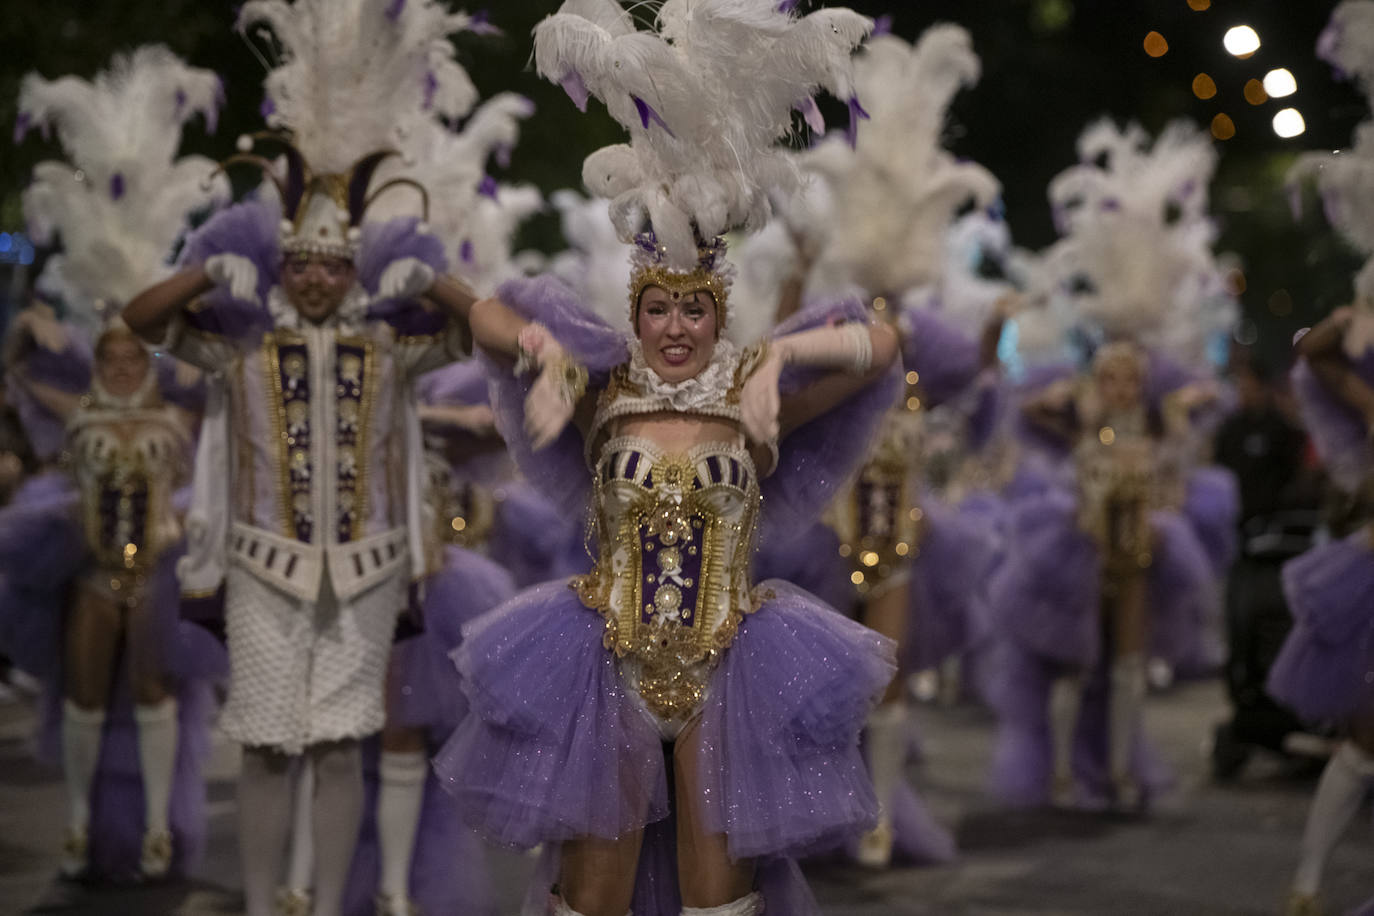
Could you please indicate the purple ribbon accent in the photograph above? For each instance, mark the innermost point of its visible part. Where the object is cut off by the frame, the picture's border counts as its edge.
(481, 24)
(856, 112)
(647, 114)
(21, 126)
(487, 187)
(394, 9)
(116, 186)
(431, 87)
(267, 108)
(882, 25)
(502, 155)
(811, 114)
(576, 89)
(465, 251)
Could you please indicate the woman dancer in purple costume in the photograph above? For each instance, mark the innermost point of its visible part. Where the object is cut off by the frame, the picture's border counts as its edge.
(123, 651)
(1321, 672)
(1089, 565)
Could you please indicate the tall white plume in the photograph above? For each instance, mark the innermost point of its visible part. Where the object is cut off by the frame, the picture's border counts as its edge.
(1345, 178)
(897, 191)
(353, 76)
(705, 95)
(122, 201)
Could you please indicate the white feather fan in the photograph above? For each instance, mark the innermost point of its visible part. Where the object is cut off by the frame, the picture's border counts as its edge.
(122, 204)
(704, 96)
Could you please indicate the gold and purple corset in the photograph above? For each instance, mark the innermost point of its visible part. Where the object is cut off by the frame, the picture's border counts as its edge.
(126, 464)
(672, 580)
(1119, 484)
(876, 518)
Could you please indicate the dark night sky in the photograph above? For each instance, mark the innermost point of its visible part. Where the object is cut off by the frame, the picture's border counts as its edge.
(1050, 67)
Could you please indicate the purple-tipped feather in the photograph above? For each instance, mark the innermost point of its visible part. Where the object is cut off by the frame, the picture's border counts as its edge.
(576, 89)
(856, 114)
(647, 114)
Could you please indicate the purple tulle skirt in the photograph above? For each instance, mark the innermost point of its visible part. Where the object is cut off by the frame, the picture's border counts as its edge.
(1212, 506)
(424, 690)
(1022, 764)
(1324, 670)
(448, 869)
(951, 567)
(558, 747)
(1045, 595)
(1185, 597)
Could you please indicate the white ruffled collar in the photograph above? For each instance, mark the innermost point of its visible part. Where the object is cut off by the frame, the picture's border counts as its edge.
(350, 317)
(705, 389)
(145, 395)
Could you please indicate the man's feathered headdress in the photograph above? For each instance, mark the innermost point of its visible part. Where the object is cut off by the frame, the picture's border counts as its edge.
(122, 201)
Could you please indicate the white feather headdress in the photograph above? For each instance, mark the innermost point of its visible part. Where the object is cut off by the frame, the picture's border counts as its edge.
(124, 200)
(474, 216)
(597, 263)
(705, 95)
(351, 76)
(1135, 255)
(352, 81)
(1345, 178)
(897, 191)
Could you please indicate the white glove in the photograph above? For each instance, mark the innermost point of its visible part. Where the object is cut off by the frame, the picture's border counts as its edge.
(759, 402)
(236, 272)
(550, 404)
(405, 278)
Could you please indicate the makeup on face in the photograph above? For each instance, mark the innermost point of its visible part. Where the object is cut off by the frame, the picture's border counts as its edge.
(676, 331)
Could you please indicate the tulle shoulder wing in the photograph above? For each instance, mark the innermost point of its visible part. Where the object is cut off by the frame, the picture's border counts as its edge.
(1338, 433)
(559, 471)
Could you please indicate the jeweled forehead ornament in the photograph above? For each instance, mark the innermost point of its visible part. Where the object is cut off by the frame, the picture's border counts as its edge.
(713, 274)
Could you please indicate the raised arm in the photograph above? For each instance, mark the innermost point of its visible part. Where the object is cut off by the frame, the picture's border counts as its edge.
(1049, 411)
(859, 353)
(1321, 347)
(149, 313)
(59, 403)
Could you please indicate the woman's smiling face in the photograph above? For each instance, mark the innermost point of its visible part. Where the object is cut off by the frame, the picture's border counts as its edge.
(677, 333)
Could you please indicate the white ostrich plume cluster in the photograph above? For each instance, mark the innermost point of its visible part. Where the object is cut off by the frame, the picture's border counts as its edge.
(353, 76)
(897, 190)
(597, 263)
(1135, 254)
(123, 200)
(469, 211)
(705, 94)
(1345, 178)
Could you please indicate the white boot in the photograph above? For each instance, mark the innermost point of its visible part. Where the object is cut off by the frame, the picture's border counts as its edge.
(885, 746)
(81, 734)
(1066, 700)
(157, 757)
(1127, 704)
(1340, 792)
(751, 905)
(399, 804)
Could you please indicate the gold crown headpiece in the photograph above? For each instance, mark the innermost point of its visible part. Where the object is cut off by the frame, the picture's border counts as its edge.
(321, 214)
(713, 274)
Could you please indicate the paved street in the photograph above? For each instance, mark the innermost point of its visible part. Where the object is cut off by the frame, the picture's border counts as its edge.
(1219, 851)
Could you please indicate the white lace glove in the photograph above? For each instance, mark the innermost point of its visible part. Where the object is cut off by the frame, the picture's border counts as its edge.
(759, 401)
(235, 272)
(405, 278)
(561, 383)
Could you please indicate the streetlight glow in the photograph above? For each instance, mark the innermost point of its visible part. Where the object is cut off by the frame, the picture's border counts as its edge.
(1279, 83)
(1289, 123)
(1241, 40)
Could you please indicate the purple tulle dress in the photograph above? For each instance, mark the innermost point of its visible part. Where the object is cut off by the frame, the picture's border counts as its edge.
(560, 744)
(1323, 671)
(42, 552)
